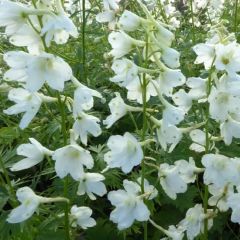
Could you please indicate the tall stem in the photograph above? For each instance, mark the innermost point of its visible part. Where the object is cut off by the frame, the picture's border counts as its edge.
(84, 74)
(207, 146)
(144, 128)
(8, 181)
(193, 26)
(64, 132)
(236, 16)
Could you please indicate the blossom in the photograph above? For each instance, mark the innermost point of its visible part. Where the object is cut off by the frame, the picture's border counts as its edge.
(129, 21)
(83, 98)
(172, 115)
(188, 170)
(81, 216)
(194, 221)
(199, 140)
(126, 72)
(91, 183)
(125, 152)
(111, 4)
(150, 189)
(85, 124)
(163, 35)
(122, 44)
(205, 54)
(108, 15)
(26, 102)
(228, 57)
(222, 103)
(135, 90)
(168, 135)
(182, 99)
(58, 28)
(220, 196)
(171, 180)
(118, 109)
(169, 79)
(70, 160)
(14, 15)
(129, 205)
(174, 233)
(233, 203)
(219, 171)
(198, 87)
(229, 129)
(29, 204)
(34, 153)
(36, 70)
(170, 57)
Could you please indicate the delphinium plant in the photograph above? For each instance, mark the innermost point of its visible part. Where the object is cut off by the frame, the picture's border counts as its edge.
(120, 119)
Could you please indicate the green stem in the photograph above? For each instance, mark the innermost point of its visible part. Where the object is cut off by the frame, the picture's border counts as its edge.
(84, 74)
(8, 181)
(193, 26)
(207, 147)
(236, 16)
(64, 131)
(144, 129)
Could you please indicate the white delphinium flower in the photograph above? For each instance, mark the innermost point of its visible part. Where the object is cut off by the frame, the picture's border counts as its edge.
(27, 37)
(228, 57)
(199, 140)
(14, 16)
(34, 153)
(233, 203)
(194, 221)
(171, 180)
(172, 115)
(45, 4)
(188, 170)
(86, 124)
(122, 44)
(170, 57)
(169, 79)
(135, 90)
(129, 21)
(26, 102)
(118, 109)
(81, 216)
(36, 70)
(29, 204)
(83, 97)
(126, 72)
(224, 99)
(220, 196)
(173, 233)
(153, 192)
(182, 99)
(111, 7)
(220, 170)
(230, 129)
(129, 205)
(125, 152)
(91, 183)
(168, 135)
(198, 87)
(205, 54)
(70, 160)
(58, 27)
(163, 36)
